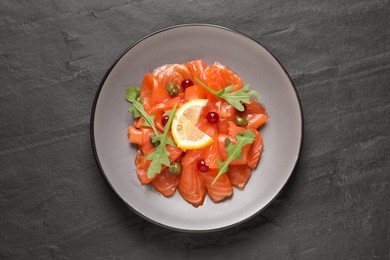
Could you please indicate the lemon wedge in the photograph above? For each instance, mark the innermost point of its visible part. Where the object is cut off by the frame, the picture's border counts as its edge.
(184, 131)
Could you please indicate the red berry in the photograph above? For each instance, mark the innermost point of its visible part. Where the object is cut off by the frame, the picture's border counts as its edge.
(202, 166)
(186, 83)
(212, 117)
(164, 120)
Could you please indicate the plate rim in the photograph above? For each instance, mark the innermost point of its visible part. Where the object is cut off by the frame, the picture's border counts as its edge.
(93, 112)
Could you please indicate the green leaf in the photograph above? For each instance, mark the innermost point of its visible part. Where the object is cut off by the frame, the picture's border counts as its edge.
(236, 98)
(234, 151)
(149, 119)
(132, 95)
(160, 156)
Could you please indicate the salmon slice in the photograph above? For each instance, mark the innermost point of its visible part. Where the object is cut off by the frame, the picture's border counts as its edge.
(225, 111)
(194, 92)
(146, 147)
(142, 138)
(233, 129)
(165, 183)
(221, 189)
(255, 150)
(219, 76)
(191, 157)
(254, 107)
(191, 186)
(152, 92)
(135, 135)
(210, 153)
(174, 153)
(255, 113)
(256, 120)
(157, 121)
(223, 125)
(148, 86)
(197, 68)
(165, 105)
(239, 175)
(172, 73)
(138, 122)
(142, 166)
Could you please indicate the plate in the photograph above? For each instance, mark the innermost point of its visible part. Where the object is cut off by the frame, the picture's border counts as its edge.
(282, 134)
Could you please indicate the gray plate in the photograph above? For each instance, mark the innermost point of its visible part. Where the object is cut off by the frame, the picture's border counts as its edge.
(282, 134)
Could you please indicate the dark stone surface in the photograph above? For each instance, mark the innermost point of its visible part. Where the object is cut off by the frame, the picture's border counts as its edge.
(54, 203)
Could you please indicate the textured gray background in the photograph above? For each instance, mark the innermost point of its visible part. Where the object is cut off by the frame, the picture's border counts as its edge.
(55, 204)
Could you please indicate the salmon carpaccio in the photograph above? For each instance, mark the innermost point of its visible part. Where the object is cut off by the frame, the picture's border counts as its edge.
(194, 185)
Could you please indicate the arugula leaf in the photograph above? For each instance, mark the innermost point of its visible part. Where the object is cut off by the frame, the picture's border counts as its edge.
(234, 151)
(236, 98)
(160, 156)
(132, 95)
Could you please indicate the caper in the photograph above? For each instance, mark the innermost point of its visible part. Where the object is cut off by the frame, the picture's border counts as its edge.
(227, 141)
(175, 168)
(156, 143)
(172, 89)
(240, 120)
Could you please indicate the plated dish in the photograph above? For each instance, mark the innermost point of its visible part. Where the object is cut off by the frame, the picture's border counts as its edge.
(282, 134)
(197, 130)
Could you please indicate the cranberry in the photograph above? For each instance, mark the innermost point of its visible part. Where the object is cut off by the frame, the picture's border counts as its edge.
(164, 120)
(186, 83)
(212, 117)
(202, 166)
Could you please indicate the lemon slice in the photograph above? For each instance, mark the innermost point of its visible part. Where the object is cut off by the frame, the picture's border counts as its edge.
(184, 131)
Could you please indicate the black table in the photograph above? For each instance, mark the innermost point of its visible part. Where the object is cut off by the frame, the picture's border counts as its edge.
(54, 203)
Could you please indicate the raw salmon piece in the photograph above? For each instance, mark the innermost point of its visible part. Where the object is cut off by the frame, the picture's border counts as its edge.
(135, 135)
(148, 86)
(146, 147)
(221, 189)
(255, 114)
(172, 73)
(191, 186)
(174, 153)
(225, 110)
(152, 92)
(142, 166)
(233, 129)
(239, 175)
(165, 183)
(193, 92)
(138, 122)
(141, 137)
(139, 157)
(211, 152)
(191, 157)
(165, 105)
(219, 76)
(254, 107)
(197, 68)
(256, 120)
(157, 121)
(223, 125)
(255, 150)
(159, 95)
